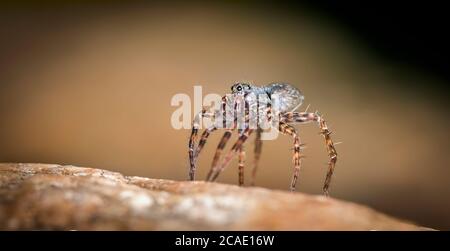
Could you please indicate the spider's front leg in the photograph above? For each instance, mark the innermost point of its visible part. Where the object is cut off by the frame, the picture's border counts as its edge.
(216, 170)
(226, 136)
(257, 154)
(195, 151)
(258, 141)
(304, 117)
(222, 143)
(238, 146)
(241, 165)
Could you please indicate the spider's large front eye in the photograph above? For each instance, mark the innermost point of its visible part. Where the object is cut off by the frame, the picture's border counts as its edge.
(239, 88)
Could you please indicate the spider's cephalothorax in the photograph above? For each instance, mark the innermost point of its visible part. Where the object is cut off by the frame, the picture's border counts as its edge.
(273, 103)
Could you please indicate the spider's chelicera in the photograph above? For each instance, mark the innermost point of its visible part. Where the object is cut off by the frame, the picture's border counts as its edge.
(249, 109)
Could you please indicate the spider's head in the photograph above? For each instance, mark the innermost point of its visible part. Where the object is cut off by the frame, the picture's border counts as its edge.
(241, 88)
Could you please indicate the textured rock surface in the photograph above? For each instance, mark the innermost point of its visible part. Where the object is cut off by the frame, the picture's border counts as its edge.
(41, 196)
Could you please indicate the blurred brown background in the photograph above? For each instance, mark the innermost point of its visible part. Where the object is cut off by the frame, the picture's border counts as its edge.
(91, 86)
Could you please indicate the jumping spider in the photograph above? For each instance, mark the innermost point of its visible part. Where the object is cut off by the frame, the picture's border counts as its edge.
(272, 102)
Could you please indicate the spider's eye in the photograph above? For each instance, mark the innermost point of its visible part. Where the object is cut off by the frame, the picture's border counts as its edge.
(239, 88)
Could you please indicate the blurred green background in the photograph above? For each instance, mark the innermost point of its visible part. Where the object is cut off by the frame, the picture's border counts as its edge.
(90, 85)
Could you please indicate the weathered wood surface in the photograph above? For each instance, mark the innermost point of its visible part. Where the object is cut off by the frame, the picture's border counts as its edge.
(43, 196)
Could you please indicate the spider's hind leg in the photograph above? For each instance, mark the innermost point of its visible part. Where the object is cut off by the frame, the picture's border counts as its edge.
(304, 117)
(290, 130)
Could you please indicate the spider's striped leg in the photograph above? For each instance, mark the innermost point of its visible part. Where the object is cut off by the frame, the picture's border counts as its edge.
(192, 139)
(202, 141)
(241, 165)
(241, 148)
(304, 117)
(241, 161)
(258, 142)
(194, 153)
(289, 130)
(226, 136)
(258, 149)
(216, 170)
(223, 141)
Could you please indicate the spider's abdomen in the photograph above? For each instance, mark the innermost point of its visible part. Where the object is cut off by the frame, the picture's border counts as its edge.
(284, 97)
